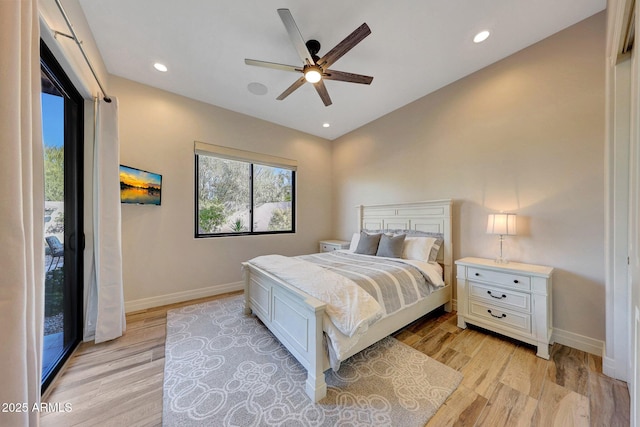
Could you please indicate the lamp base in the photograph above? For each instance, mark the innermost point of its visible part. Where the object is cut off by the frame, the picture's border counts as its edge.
(501, 259)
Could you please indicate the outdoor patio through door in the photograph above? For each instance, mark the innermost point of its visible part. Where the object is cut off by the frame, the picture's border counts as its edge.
(62, 131)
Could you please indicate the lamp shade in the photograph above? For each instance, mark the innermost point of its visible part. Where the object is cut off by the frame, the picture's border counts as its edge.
(503, 224)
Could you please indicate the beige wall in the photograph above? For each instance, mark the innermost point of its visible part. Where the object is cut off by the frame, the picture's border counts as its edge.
(157, 131)
(524, 135)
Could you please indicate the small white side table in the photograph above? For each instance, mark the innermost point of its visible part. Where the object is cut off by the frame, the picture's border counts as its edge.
(333, 245)
(512, 299)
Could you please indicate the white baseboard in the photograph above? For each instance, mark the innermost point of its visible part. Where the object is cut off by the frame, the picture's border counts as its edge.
(144, 303)
(577, 341)
(611, 368)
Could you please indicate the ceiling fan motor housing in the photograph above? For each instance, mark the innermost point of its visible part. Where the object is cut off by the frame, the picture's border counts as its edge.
(314, 47)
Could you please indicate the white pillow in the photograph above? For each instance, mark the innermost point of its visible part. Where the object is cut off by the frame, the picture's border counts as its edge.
(354, 242)
(417, 247)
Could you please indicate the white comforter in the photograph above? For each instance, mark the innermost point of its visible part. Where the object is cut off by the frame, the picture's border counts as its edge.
(349, 307)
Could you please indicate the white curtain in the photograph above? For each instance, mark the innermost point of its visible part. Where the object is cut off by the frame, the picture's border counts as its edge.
(105, 318)
(21, 212)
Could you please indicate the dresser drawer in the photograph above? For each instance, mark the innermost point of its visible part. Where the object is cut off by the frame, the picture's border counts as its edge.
(499, 296)
(499, 277)
(500, 316)
(326, 247)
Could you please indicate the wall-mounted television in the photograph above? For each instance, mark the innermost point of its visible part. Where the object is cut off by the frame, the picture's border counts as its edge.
(139, 187)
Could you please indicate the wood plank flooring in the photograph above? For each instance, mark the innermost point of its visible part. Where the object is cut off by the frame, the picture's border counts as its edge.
(119, 383)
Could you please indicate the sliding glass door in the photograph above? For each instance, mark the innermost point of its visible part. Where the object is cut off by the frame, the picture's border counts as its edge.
(62, 130)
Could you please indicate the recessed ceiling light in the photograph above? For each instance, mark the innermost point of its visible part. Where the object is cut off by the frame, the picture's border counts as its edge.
(481, 36)
(325, 125)
(160, 67)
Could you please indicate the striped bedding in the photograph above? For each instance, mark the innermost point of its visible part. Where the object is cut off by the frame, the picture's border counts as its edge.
(393, 283)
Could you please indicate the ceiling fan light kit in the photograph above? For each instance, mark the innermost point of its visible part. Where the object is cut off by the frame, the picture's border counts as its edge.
(315, 69)
(312, 73)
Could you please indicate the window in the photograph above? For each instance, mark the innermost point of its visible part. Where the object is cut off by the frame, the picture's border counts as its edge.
(241, 193)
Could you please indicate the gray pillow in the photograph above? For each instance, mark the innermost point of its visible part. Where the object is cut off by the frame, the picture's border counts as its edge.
(433, 256)
(368, 244)
(391, 246)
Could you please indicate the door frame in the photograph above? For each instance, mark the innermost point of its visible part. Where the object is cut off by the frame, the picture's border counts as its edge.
(74, 208)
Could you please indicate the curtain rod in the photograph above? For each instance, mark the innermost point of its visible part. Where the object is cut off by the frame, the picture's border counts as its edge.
(75, 38)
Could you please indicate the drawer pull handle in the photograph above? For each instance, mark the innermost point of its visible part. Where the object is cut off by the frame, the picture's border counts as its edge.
(515, 281)
(496, 297)
(477, 274)
(497, 317)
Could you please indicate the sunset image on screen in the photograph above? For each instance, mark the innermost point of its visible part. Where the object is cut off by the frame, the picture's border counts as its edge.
(139, 187)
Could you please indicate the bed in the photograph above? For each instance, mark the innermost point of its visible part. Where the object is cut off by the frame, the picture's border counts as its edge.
(298, 319)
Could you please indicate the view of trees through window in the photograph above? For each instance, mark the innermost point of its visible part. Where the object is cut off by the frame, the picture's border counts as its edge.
(226, 189)
(54, 173)
(54, 190)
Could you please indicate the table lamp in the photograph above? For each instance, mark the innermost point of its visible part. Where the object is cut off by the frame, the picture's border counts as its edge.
(502, 224)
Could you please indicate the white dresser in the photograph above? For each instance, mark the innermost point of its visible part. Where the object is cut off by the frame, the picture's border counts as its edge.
(333, 245)
(512, 299)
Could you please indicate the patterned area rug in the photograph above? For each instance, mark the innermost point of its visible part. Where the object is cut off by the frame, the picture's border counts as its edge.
(223, 368)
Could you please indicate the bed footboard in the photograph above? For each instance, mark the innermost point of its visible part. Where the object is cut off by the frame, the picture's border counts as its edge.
(294, 318)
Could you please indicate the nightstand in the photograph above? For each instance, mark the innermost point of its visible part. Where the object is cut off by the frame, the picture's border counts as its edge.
(333, 245)
(512, 299)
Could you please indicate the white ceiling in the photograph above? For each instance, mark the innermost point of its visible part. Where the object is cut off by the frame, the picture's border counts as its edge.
(415, 48)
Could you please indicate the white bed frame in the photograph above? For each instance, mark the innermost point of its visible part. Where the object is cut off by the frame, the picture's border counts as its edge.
(295, 317)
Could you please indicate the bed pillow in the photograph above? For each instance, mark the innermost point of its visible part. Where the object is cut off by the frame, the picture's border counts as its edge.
(435, 248)
(419, 248)
(368, 244)
(416, 249)
(391, 246)
(354, 242)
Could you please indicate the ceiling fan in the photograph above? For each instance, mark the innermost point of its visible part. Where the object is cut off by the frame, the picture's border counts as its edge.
(315, 69)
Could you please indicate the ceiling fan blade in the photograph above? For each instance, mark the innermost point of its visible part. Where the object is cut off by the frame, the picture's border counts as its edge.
(347, 77)
(344, 46)
(291, 88)
(322, 91)
(295, 36)
(274, 65)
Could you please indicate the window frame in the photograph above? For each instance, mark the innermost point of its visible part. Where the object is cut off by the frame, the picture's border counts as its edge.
(252, 159)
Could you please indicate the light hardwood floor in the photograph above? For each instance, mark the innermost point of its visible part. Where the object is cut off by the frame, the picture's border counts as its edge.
(119, 383)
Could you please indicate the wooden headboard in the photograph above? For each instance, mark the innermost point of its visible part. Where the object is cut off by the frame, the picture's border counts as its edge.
(431, 216)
